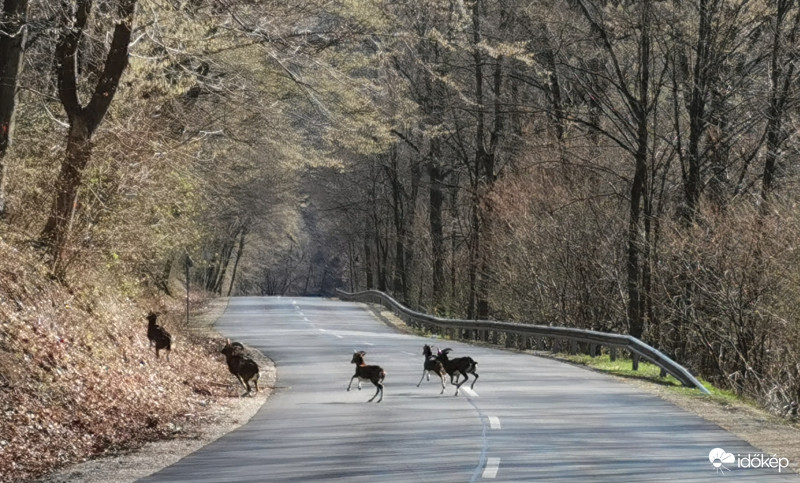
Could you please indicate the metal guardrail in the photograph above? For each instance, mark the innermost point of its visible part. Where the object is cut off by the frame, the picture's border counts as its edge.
(523, 335)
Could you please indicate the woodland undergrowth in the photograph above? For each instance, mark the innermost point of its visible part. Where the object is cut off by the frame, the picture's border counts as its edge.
(77, 376)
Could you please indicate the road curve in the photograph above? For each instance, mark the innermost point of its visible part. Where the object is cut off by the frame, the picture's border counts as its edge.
(529, 419)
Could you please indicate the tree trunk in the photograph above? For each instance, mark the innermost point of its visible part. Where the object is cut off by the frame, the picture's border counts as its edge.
(436, 200)
(83, 120)
(213, 265)
(308, 278)
(408, 235)
(453, 237)
(13, 31)
(398, 276)
(781, 82)
(697, 110)
(487, 163)
(163, 281)
(55, 232)
(486, 145)
(381, 254)
(225, 260)
(351, 265)
(473, 258)
(639, 185)
(368, 264)
(239, 252)
(634, 250)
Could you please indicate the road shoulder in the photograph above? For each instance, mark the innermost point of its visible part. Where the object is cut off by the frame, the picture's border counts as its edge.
(227, 415)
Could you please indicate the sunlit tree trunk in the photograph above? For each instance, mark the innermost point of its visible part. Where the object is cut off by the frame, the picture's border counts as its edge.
(13, 31)
(83, 120)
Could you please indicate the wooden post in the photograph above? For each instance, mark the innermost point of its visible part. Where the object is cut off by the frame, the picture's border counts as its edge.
(187, 265)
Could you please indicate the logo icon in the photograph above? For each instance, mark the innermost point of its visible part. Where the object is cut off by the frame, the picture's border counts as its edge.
(719, 458)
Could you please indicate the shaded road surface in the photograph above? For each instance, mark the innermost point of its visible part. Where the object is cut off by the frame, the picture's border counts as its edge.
(529, 419)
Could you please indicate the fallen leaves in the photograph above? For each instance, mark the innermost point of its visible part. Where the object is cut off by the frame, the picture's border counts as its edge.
(75, 384)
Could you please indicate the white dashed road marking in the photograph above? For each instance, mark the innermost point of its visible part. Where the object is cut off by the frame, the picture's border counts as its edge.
(494, 422)
(336, 335)
(492, 465)
(469, 392)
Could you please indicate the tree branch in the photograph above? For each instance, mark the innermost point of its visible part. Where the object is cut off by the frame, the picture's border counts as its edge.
(116, 61)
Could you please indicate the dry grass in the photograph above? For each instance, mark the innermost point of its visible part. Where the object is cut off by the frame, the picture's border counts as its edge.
(77, 376)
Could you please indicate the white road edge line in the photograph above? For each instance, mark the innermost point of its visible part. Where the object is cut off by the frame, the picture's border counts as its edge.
(494, 422)
(492, 465)
(469, 392)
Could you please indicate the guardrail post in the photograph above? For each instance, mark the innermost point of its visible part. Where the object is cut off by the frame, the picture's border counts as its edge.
(556, 348)
(612, 353)
(635, 360)
(592, 350)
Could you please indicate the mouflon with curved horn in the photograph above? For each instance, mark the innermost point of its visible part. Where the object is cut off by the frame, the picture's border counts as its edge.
(374, 374)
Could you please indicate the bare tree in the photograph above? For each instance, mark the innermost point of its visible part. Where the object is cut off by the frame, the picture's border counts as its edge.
(83, 119)
(782, 86)
(13, 31)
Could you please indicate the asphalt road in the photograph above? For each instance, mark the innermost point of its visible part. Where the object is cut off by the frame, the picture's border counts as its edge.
(528, 419)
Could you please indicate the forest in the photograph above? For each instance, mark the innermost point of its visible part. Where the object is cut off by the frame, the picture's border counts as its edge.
(621, 166)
